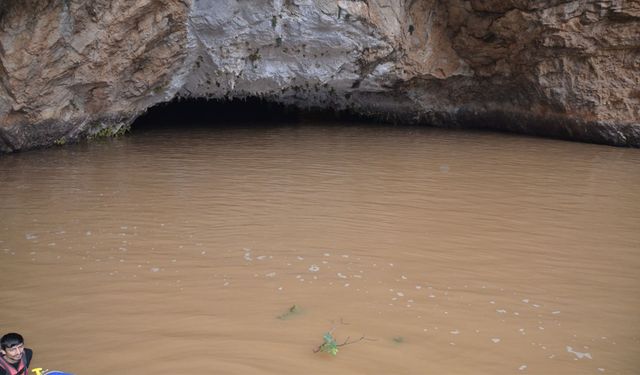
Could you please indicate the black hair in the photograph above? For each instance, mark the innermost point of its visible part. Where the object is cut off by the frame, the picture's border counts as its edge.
(10, 340)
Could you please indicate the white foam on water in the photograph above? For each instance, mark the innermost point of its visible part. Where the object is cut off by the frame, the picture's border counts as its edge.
(400, 294)
(579, 355)
(455, 332)
(601, 369)
(261, 257)
(314, 268)
(522, 368)
(403, 277)
(418, 287)
(270, 274)
(155, 269)
(555, 312)
(299, 258)
(327, 254)
(501, 311)
(495, 340)
(340, 275)
(525, 300)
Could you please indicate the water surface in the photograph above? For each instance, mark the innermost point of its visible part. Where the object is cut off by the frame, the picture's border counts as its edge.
(175, 250)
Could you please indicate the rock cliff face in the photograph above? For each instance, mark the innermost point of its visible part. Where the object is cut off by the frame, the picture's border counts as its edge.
(76, 68)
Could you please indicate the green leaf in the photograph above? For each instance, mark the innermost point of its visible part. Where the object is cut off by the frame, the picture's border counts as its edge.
(329, 346)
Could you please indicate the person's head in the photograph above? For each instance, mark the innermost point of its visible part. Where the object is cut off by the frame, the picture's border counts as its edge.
(12, 345)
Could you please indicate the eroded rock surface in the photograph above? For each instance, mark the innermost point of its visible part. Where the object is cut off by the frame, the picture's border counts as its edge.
(570, 69)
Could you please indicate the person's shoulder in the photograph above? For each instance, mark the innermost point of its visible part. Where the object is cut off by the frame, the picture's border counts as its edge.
(28, 354)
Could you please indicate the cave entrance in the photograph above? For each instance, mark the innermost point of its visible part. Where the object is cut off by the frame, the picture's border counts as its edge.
(248, 112)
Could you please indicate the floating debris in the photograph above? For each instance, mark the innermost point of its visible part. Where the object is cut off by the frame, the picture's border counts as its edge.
(329, 345)
(292, 311)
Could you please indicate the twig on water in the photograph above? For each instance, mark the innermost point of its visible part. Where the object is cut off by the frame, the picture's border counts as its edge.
(331, 346)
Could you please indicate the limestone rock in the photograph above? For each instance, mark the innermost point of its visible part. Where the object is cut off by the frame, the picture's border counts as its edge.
(570, 69)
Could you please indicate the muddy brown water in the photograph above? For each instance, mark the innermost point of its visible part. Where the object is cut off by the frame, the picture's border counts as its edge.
(175, 251)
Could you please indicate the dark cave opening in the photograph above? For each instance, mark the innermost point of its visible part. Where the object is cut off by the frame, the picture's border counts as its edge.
(248, 112)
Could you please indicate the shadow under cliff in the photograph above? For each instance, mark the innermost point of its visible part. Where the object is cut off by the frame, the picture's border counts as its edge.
(255, 112)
